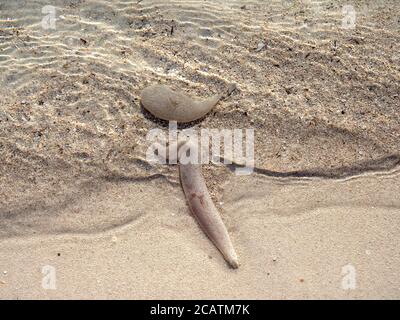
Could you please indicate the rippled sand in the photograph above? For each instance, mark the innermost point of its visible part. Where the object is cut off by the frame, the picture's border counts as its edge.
(74, 180)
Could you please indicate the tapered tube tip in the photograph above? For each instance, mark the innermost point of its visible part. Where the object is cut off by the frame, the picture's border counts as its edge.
(233, 262)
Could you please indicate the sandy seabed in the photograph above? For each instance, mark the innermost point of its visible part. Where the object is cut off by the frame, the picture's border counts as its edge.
(318, 218)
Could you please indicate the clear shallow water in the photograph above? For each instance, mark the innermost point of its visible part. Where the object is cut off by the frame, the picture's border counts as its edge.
(321, 99)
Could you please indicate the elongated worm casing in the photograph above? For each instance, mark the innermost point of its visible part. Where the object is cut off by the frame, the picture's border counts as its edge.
(204, 210)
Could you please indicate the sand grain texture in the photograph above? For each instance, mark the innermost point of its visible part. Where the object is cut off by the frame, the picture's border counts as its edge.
(74, 180)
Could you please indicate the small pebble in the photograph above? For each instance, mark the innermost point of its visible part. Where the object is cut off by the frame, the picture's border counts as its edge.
(260, 46)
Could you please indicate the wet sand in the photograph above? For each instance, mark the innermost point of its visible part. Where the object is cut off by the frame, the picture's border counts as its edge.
(77, 193)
